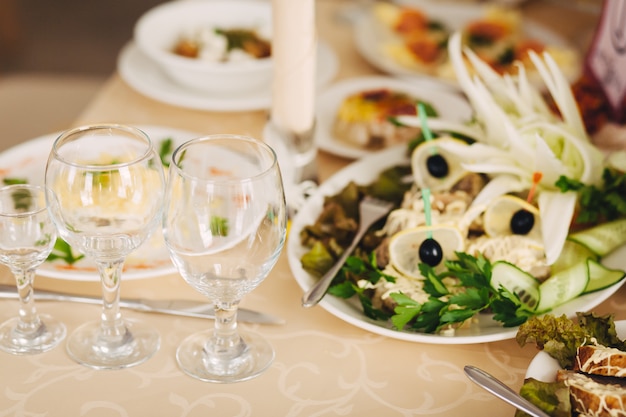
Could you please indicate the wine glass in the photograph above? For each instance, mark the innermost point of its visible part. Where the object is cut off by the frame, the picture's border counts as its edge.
(27, 237)
(105, 187)
(224, 225)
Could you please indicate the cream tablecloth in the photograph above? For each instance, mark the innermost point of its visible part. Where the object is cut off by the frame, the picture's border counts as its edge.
(323, 367)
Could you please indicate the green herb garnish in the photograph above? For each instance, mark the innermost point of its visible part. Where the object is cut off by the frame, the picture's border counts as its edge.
(166, 147)
(13, 181)
(246, 40)
(445, 306)
(22, 199)
(506, 57)
(607, 202)
(46, 238)
(219, 226)
(62, 250)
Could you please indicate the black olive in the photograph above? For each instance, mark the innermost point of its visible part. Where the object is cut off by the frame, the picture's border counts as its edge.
(437, 166)
(522, 222)
(430, 252)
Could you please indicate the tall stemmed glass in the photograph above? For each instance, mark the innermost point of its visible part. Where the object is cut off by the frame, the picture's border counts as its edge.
(26, 239)
(105, 187)
(224, 225)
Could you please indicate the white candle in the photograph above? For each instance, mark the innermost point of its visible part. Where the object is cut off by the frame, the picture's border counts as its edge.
(294, 44)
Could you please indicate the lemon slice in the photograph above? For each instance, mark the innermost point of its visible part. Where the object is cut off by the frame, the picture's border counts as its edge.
(509, 215)
(446, 148)
(404, 247)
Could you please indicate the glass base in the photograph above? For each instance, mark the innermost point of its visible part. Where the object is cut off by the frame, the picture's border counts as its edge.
(88, 346)
(48, 335)
(194, 360)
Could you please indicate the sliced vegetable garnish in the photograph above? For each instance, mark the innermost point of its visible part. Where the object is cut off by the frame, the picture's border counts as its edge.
(603, 238)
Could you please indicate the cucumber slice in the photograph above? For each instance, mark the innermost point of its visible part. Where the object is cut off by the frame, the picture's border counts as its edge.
(563, 286)
(509, 276)
(604, 238)
(601, 277)
(572, 253)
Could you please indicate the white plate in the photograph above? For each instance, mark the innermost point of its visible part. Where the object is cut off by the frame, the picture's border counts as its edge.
(365, 171)
(544, 367)
(147, 78)
(370, 35)
(449, 105)
(28, 160)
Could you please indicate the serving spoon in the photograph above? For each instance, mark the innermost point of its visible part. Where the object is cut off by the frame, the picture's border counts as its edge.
(502, 391)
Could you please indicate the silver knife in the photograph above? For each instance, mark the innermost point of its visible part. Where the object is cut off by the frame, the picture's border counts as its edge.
(502, 391)
(177, 307)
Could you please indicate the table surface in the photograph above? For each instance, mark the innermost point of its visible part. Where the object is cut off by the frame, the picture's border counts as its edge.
(323, 367)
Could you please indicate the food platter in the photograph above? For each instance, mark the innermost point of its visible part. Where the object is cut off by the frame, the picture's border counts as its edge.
(146, 77)
(371, 36)
(365, 171)
(450, 106)
(543, 367)
(28, 161)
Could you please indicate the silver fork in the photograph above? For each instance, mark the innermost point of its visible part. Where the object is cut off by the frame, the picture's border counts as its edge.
(370, 211)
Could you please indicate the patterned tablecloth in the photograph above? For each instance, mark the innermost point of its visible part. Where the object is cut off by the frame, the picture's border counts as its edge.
(323, 367)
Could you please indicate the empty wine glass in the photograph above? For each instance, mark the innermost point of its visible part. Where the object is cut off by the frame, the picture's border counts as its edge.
(224, 225)
(27, 237)
(104, 187)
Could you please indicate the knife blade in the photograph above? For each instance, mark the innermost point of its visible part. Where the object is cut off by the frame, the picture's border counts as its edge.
(177, 307)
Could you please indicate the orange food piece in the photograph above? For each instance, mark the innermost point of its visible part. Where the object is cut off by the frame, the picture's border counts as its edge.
(488, 30)
(187, 48)
(219, 172)
(411, 20)
(425, 48)
(390, 103)
(524, 46)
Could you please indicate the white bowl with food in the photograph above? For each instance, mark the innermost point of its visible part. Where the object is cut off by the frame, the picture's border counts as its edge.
(219, 46)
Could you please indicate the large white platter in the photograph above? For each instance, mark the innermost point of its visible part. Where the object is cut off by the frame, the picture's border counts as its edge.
(544, 367)
(365, 171)
(370, 36)
(28, 161)
(148, 79)
(450, 106)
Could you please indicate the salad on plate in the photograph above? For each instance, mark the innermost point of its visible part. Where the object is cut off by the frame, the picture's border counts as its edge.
(509, 217)
(580, 367)
(26, 162)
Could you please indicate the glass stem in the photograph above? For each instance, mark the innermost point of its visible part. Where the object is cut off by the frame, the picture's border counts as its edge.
(29, 321)
(112, 324)
(226, 339)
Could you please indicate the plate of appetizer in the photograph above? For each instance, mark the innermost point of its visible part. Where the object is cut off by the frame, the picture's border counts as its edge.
(354, 116)
(409, 38)
(26, 162)
(519, 216)
(366, 173)
(581, 365)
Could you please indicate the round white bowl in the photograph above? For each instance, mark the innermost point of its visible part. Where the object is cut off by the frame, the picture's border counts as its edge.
(159, 29)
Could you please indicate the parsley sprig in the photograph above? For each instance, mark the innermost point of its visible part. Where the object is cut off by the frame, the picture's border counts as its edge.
(605, 202)
(62, 250)
(447, 305)
(166, 148)
(450, 306)
(355, 269)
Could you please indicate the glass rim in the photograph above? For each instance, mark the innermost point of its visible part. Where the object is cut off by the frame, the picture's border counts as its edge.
(214, 138)
(29, 212)
(65, 137)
